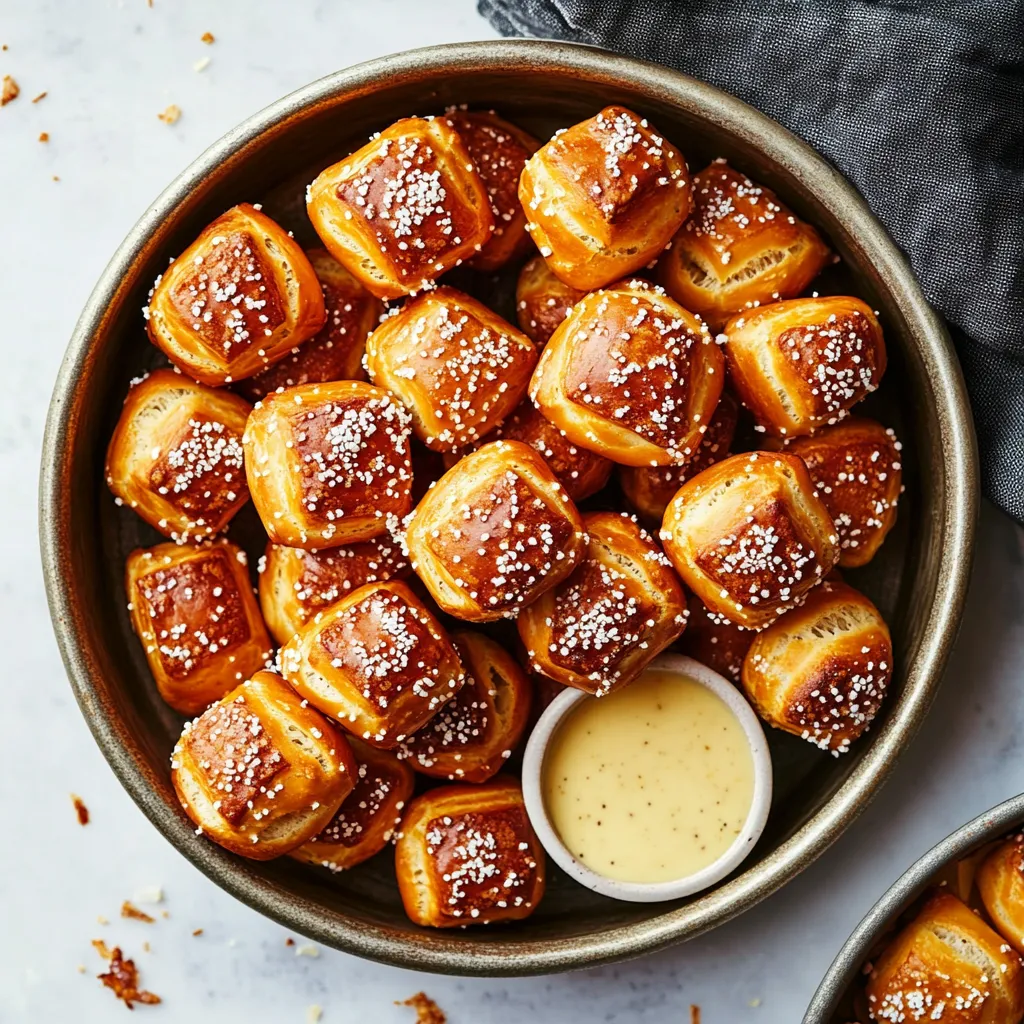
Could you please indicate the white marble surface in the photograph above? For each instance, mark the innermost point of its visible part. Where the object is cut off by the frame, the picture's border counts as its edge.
(109, 68)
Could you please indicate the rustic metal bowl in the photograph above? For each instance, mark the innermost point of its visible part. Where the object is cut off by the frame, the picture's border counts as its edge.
(919, 579)
(832, 1003)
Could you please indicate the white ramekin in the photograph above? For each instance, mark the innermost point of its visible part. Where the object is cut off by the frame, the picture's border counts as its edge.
(641, 892)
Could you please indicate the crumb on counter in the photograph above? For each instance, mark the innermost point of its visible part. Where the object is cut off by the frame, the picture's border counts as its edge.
(694, 1014)
(307, 950)
(129, 910)
(9, 90)
(197, 932)
(202, 64)
(427, 1011)
(80, 809)
(313, 1014)
(41, 96)
(100, 919)
(122, 978)
(150, 894)
(45, 137)
(289, 941)
(207, 37)
(171, 114)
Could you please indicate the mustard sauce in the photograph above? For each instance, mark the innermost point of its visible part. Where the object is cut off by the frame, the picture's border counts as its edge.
(652, 783)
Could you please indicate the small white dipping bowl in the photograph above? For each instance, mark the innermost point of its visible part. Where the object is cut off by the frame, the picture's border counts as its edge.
(642, 892)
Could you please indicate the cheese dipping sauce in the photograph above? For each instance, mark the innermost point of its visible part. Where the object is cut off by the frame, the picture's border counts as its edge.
(651, 783)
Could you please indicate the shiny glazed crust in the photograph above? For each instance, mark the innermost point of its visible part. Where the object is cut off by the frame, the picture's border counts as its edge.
(258, 772)
(649, 489)
(377, 661)
(195, 315)
(494, 533)
(499, 151)
(821, 671)
(457, 367)
(1001, 884)
(473, 735)
(336, 352)
(403, 209)
(194, 612)
(368, 817)
(750, 537)
(295, 584)
(543, 300)
(176, 455)
(467, 855)
(857, 472)
(622, 605)
(328, 464)
(802, 364)
(947, 965)
(740, 247)
(580, 471)
(632, 376)
(604, 197)
(713, 640)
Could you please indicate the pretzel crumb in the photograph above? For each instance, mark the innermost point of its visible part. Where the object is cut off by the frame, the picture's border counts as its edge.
(427, 1011)
(9, 90)
(207, 37)
(171, 114)
(202, 64)
(313, 1014)
(289, 941)
(129, 910)
(197, 932)
(123, 978)
(41, 96)
(694, 1014)
(45, 137)
(80, 809)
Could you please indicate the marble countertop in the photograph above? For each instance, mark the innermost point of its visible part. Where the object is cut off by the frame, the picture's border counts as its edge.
(108, 69)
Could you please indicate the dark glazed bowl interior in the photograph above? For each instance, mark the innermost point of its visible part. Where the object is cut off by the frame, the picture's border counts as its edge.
(918, 580)
(832, 1003)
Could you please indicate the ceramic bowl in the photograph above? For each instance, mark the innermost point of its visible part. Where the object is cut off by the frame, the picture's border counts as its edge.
(637, 892)
(918, 580)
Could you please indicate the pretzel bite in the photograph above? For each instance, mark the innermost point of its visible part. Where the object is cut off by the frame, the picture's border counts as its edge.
(713, 640)
(856, 470)
(499, 152)
(467, 855)
(494, 533)
(740, 247)
(470, 738)
(604, 197)
(176, 455)
(947, 965)
(821, 671)
(802, 364)
(457, 367)
(403, 209)
(193, 609)
(622, 605)
(750, 537)
(377, 661)
(239, 298)
(294, 584)
(259, 772)
(649, 489)
(336, 353)
(581, 472)
(328, 464)
(1001, 885)
(631, 375)
(543, 300)
(368, 817)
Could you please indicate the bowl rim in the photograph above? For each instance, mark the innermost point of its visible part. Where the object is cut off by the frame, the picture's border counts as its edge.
(486, 956)
(993, 824)
(563, 707)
